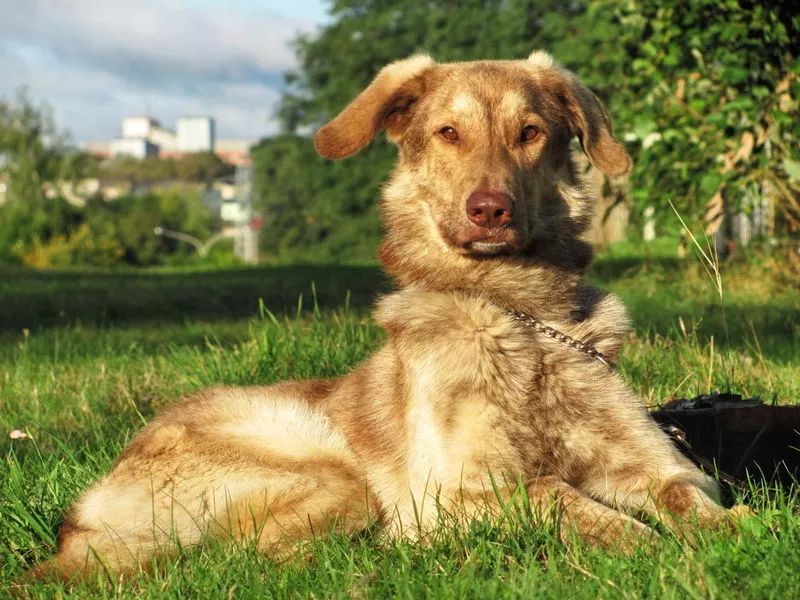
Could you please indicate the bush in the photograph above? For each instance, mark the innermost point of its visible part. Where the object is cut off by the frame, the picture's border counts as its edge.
(104, 233)
(80, 247)
(132, 219)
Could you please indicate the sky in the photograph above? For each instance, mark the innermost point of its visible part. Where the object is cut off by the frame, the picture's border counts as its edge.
(97, 61)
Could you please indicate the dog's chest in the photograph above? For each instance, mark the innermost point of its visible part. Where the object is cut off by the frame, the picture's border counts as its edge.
(458, 445)
(458, 421)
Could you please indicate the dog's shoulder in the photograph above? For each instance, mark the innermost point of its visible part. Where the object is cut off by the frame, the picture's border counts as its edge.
(601, 319)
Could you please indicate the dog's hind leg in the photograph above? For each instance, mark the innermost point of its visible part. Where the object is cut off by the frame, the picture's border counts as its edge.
(122, 529)
(237, 463)
(334, 498)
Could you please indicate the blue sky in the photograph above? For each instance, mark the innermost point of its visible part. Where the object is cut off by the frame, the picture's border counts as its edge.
(96, 61)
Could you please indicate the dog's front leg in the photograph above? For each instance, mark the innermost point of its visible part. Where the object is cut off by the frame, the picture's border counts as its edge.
(552, 502)
(683, 503)
(571, 512)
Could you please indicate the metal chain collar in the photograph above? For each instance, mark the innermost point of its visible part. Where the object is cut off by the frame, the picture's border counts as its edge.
(546, 330)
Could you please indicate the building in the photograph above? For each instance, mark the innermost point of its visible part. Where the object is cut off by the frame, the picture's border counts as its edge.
(101, 148)
(165, 139)
(137, 127)
(151, 130)
(136, 147)
(144, 136)
(195, 134)
(234, 152)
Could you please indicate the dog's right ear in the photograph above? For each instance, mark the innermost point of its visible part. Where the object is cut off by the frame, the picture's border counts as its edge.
(386, 103)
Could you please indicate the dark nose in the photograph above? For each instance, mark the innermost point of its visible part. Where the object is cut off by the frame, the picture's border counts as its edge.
(490, 209)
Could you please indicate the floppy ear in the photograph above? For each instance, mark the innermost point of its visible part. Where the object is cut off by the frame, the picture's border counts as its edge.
(589, 120)
(385, 103)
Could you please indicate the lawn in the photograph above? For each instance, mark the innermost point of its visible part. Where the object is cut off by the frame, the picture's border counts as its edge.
(87, 357)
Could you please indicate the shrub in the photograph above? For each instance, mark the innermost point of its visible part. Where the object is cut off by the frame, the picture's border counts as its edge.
(81, 247)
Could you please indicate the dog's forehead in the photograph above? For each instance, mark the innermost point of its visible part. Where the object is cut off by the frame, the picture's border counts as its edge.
(500, 86)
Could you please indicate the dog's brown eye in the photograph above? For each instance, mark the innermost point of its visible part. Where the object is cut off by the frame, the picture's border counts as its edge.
(448, 133)
(529, 133)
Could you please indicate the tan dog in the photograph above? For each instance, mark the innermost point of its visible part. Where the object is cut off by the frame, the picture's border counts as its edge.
(483, 214)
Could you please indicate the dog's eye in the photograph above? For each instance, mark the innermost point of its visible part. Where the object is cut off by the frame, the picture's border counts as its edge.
(448, 133)
(529, 133)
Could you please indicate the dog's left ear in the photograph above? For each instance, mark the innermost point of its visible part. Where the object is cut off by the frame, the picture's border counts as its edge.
(386, 103)
(588, 120)
(592, 124)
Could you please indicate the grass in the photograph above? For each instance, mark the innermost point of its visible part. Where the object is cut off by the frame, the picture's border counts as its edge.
(86, 358)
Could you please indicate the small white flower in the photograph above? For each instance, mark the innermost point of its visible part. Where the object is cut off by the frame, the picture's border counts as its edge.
(17, 434)
(650, 140)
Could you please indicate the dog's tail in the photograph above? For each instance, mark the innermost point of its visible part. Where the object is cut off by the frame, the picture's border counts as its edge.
(59, 569)
(82, 553)
(70, 564)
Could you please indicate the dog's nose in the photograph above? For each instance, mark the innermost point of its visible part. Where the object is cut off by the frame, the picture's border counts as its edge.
(490, 209)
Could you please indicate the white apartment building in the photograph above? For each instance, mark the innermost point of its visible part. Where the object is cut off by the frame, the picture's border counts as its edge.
(195, 134)
(137, 147)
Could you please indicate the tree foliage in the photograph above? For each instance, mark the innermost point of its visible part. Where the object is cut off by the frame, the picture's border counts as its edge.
(44, 230)
(711, 97)
(199, 167)
(688, 83)
(32, 151)
(106, 233)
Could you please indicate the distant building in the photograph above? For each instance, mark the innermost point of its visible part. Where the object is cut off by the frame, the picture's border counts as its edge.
(151, 130)
(165, 139)
(144, 136)
(133, 146)
(195, 134)
(234, 152)
(101, 148)
(138, 127)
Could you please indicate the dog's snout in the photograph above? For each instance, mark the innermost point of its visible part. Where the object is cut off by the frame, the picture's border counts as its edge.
(490, 209)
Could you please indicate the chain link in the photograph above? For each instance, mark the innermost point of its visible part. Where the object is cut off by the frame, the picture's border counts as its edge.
(555, 334)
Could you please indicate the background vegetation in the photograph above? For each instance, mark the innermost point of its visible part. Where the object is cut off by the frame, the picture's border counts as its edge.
(40, 228)
(705, 93)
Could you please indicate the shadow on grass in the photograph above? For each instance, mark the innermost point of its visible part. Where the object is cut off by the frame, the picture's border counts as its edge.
(38, 300)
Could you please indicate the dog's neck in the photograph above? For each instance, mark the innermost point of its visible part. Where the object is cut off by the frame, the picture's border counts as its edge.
(523, 283)
(545, 280)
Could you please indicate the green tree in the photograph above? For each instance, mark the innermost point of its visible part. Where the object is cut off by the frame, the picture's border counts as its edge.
(197, 167)
(33, 152)
(203, 167)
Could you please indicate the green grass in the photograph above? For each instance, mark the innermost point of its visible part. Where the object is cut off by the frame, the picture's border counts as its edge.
(101, 353)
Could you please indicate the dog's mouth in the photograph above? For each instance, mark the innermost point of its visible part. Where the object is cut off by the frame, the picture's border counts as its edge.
(485, 242)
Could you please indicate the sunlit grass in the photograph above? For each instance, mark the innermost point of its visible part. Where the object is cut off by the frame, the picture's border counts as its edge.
(80, 392)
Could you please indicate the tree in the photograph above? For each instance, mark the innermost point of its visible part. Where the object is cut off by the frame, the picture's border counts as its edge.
(711, 97)
(32, 152)
(202, 167)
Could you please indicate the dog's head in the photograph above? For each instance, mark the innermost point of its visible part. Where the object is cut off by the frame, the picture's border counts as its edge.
(483, 147)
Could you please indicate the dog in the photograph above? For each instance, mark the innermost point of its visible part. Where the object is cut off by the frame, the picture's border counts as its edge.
(495, 382)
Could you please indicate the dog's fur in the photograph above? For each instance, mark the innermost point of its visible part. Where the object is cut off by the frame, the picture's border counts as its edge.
(463, 402)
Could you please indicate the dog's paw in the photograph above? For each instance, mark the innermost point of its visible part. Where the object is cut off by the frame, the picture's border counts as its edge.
(740, 511)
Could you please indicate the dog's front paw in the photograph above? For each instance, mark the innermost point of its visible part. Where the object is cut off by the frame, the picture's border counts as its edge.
(740, 511)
